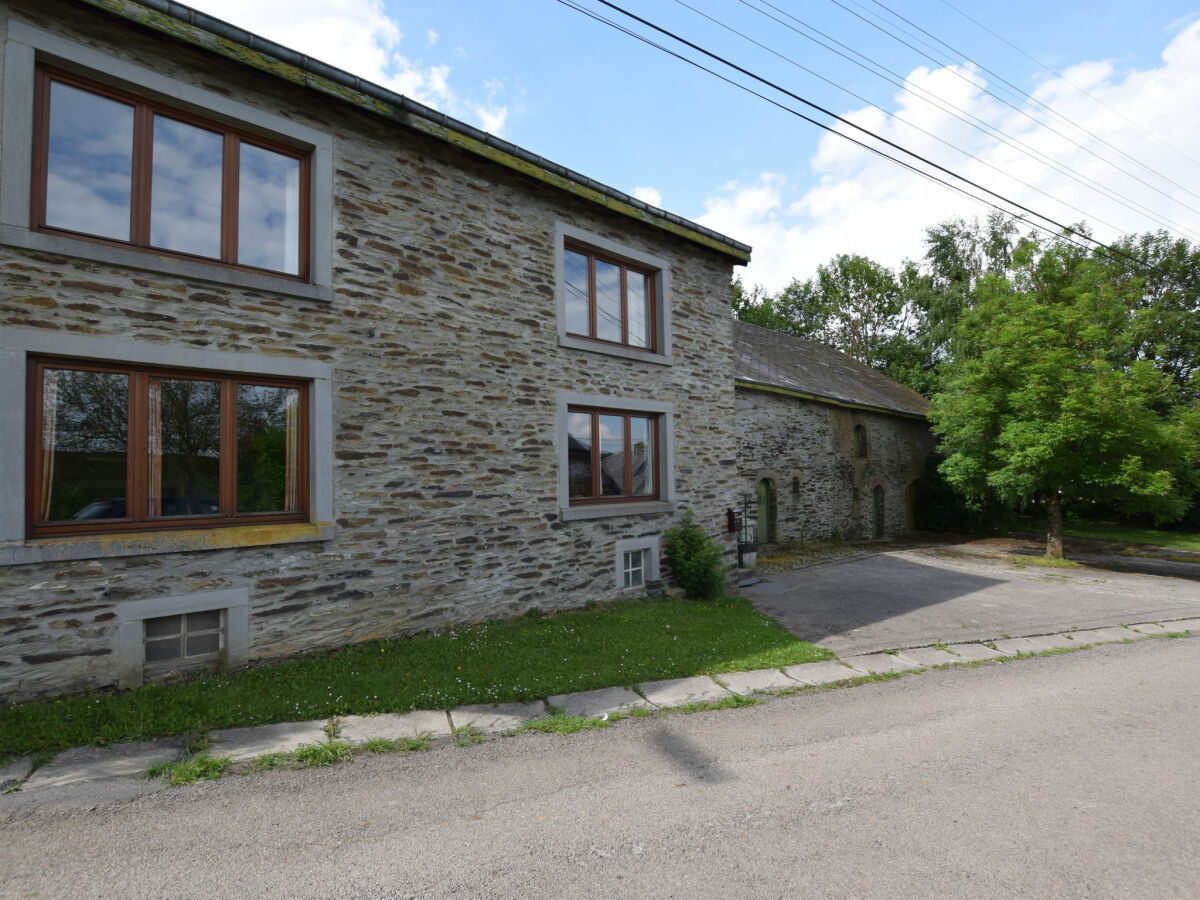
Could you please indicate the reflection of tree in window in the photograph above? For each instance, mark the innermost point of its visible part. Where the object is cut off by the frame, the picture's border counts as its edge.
(185, 447)
(579, 454)
(85, 421)
(268, 477)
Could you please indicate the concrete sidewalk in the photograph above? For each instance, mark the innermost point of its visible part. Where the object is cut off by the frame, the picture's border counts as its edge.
(81, 775)
(912, 598)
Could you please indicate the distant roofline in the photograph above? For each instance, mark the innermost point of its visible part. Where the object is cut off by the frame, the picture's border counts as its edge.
(220, 37)
(751, 385)
(755, 385)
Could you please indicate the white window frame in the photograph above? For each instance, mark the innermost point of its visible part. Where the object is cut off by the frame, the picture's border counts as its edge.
(666, 495)
(650, 546)
(25, 46)
(18, 344)
(131, 629)
(660, 272)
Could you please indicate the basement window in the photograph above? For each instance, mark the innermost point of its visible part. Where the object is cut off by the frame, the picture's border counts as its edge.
(634, 568)
(184, 640)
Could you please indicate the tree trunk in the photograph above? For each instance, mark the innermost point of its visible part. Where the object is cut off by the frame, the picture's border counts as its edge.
(1054, 526)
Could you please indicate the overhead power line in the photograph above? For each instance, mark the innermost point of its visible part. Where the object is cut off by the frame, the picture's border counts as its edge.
(1025, 95)
(867, 64)
(1015, 108)
(1068, 81)
(897, 117)
(1063, 231)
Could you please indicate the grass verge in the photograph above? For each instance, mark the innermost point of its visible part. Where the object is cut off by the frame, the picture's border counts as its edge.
(525, 659)
(1158, 537)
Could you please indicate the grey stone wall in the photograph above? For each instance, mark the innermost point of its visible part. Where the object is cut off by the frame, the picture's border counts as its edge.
(442, 339)
(807, 449)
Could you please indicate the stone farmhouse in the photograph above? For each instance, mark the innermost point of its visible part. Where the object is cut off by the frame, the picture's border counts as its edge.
(290, 361)
(826, 445)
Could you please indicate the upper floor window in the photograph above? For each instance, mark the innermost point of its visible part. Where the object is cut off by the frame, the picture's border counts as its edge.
(125, 448)
(116, 168)
(612, 455)
(609, 300)
(860, 442)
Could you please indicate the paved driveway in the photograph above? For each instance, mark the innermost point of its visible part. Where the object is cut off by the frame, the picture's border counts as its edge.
(913, 597)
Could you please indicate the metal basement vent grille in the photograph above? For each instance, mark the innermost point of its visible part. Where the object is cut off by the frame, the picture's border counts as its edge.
(184, 640)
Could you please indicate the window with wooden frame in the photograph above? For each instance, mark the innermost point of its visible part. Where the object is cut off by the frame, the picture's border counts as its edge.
(118, 169)
(130, 448)
(609, 300)
(612, 455)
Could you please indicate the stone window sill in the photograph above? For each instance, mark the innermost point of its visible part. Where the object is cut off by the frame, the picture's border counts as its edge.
(104, 546)
(573, 513)
(146, 260)
(578, 343)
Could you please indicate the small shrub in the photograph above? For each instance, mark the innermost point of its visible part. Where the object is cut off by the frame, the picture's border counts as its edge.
(695, 560)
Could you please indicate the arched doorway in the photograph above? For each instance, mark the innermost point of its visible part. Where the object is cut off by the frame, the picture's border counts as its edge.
(877, 497)
(767, 512)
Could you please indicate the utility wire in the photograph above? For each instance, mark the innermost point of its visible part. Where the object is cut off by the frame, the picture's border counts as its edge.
(1066, 80)
(1063, 232)
(1013, 106)
(1020, 92)
(895, 116)
(869, 65)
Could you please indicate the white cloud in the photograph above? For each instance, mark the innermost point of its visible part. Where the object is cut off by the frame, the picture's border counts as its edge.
(650, 195)
(860, 203)
(360, 37)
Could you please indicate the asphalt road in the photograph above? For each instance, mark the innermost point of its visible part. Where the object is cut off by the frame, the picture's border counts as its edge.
(1067, 776)
(970, 592)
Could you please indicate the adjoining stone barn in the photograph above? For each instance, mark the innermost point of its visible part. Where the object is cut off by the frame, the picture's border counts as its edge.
(827, 446)
(290, 361)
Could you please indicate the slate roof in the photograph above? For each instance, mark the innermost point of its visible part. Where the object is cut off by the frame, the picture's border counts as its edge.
(773, 359)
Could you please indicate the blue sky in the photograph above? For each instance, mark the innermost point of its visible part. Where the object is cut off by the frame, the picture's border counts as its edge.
(579, 93)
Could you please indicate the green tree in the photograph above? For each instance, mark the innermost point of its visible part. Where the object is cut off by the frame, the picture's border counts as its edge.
(1041, 402)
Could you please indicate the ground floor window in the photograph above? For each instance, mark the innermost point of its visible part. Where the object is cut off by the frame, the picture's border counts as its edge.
(118, 448)
(612, 455)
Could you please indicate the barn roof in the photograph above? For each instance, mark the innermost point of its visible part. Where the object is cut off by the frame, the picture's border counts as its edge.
(773, 361)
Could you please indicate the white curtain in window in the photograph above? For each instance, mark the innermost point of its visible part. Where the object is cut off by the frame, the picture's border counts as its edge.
(50, 386)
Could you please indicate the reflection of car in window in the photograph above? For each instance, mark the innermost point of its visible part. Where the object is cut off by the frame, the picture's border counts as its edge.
(171, 506)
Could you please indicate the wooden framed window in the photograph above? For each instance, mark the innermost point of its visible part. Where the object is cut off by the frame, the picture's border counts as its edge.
(130, 448)
(609, 300)
(612, 455)
(118, 169)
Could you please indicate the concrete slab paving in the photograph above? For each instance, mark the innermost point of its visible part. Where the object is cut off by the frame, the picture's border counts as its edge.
(599, 702)
(1153, 628)
(241, 744)
(1192, 625)
(974, 652)
(1102, 635)
(93, 763)
(1036, 644)
(927, 656)
(15, 772)
(878, 663)
(758, 680)
(392, 726)
(682, 691)
(494, 718)
(824, 672)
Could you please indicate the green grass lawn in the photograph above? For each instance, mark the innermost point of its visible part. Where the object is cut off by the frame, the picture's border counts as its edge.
(1178, 540)
(525, 659)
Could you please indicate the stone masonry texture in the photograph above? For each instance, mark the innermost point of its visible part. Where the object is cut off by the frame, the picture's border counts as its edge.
(806, 449)
(442, 340)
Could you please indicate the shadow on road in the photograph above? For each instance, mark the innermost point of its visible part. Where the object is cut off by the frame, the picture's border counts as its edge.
(689, 756)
